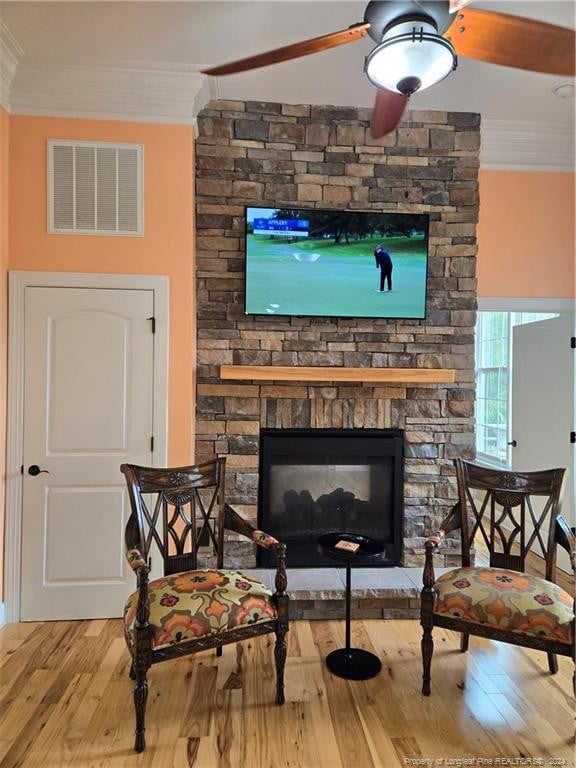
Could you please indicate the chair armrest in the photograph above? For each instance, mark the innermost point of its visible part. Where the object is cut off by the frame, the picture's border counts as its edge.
(436, 540)
(432, 544)
(138, 564)
(135, 559)
(453, 520)
(564, 535)
(235, 522)
(264, 540)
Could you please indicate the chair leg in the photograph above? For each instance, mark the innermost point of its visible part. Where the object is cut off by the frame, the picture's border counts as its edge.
(427, 646)
(140, 698)
(280, 658)
(132, 673)
(219, 651)
(552, 663)
(464, 637)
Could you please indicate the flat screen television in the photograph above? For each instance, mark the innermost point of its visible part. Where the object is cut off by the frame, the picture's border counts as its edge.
(310, 262)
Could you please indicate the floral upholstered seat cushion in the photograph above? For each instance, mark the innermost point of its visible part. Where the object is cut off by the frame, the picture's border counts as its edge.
(186, 606)
(513, 601)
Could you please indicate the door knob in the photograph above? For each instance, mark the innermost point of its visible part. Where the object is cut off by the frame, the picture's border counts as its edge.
(34, 470)
(513, 443)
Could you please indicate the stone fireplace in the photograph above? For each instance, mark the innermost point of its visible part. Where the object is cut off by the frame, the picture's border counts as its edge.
(316, 481)
(267, 154)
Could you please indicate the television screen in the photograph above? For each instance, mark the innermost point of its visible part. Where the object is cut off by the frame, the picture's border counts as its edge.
(311, 262)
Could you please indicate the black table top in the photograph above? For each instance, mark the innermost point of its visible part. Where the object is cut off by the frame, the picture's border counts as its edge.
(369, 551)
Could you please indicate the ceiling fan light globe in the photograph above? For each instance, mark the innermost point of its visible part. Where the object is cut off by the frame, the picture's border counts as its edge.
(409, 52)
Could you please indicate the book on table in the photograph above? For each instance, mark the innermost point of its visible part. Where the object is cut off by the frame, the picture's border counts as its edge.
(347, 546)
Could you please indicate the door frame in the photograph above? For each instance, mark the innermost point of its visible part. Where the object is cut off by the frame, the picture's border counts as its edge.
(18, 282)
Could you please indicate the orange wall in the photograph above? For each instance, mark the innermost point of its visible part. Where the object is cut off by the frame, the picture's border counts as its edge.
(4, 156)
(167, 247)
(526, 234)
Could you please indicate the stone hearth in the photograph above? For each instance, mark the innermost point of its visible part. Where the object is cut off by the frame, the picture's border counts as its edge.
(389, 593)
(254, 153)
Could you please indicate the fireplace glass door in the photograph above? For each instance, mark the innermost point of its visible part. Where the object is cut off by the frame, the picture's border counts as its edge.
(322, 481)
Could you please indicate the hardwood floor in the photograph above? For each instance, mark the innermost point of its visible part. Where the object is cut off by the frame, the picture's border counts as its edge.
(66, 700)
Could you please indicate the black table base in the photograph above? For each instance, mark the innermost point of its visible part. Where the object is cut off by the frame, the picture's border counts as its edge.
(353, 663)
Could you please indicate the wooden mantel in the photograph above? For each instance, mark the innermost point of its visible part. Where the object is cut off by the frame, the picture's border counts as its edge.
(364, 375)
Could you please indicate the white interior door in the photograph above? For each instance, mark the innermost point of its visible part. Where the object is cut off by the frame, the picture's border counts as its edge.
(543, 402)
(88, 407)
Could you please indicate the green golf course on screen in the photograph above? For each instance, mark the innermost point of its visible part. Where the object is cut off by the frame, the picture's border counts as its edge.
(335, 263)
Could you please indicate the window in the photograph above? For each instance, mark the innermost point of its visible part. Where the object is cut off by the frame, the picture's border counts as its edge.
(493, 382)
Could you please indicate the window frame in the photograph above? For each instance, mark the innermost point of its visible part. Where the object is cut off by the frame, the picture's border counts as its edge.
(482, 456)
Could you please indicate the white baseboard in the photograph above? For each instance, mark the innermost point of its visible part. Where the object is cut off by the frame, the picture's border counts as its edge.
(2, 614)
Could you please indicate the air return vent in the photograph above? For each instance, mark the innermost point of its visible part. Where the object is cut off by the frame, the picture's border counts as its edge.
(95, 188)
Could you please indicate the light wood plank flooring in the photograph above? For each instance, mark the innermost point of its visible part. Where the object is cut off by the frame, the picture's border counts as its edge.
(65, 700)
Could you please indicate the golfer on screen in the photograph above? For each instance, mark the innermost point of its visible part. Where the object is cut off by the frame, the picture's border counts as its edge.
(384, 263)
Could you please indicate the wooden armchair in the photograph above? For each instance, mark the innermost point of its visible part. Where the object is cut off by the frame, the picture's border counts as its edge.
(192, 609)
(501, 601)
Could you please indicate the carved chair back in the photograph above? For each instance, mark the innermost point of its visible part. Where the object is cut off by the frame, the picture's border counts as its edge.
(179, 511)
(501, 507)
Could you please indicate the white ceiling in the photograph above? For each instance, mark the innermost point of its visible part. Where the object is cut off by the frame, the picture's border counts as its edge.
(189, 35)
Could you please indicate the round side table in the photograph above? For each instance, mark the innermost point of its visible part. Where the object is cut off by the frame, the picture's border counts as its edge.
(352, 663)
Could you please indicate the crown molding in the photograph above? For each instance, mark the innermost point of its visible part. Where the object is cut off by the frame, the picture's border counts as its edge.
(136, 91)
(10, 55)
(164, 92)
(527, 146)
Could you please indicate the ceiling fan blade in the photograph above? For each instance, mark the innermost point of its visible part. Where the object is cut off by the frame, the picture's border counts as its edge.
(387, 113)
(513, 41)
(294, 51)
(457, 5)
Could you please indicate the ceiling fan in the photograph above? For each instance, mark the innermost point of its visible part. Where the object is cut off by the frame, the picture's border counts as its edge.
(418, 43)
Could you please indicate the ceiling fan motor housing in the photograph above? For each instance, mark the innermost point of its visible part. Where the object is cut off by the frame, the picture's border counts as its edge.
(382, 14)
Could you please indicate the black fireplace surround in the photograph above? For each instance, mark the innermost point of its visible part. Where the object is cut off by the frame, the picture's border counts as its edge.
(316, 481)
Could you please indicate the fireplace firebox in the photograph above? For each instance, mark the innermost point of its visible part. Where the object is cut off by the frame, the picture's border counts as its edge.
(316, 481)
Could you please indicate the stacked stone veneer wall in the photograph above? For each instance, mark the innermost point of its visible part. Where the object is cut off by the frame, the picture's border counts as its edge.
(254, 153)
